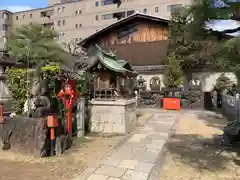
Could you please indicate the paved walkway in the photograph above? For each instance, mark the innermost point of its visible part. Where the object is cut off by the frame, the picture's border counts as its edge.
(140, 157)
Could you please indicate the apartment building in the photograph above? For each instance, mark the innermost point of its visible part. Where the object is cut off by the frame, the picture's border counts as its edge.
(77, 19)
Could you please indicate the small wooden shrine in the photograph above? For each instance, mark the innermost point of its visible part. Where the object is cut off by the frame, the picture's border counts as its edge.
(112, 79)
(113, 105)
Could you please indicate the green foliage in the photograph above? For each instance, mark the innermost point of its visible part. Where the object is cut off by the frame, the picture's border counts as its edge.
(202, 13)
(35, 43)
(173, 73)
(193, 52)
(223, 83)
(19, 81)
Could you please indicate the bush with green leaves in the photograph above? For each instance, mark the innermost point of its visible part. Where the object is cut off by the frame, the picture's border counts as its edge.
(223, 83)
(19, 83)
(173, 76)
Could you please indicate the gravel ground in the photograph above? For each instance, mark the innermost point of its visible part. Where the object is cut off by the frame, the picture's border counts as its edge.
(192, 155)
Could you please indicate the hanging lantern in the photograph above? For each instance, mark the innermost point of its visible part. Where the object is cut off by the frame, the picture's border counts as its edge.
(52, 121)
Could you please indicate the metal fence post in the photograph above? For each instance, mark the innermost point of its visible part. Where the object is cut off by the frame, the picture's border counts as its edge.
(81, 117)
(237, 106)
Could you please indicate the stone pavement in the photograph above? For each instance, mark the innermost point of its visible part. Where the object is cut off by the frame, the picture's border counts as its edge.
(140, 156)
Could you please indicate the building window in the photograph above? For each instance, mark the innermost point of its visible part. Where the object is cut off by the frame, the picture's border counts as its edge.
(97, 18)
(59, 10)
(106, 2)
(107, 16)
(78, 25)
(145, 10)
(156, 9)
(23, 16)
(78, 12)
(59, 23)
(96, 3)
(30, 15)
(4, 27)
(16, 17)
(63, 8)
(62, 33)
(64, 22)
(129, 13)
(174, 8)
(5, 16)
(4, 39)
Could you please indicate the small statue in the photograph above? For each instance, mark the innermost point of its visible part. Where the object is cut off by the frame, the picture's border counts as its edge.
(39, 104)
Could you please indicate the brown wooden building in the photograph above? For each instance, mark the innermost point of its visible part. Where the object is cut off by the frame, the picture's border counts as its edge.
(140, 39)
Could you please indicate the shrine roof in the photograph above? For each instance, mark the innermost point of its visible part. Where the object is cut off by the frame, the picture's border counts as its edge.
(109, 61)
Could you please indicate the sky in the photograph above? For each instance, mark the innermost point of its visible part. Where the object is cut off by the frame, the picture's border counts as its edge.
(21, 5)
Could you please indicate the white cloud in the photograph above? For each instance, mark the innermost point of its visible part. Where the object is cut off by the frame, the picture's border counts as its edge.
(221, 25)
(16, 8)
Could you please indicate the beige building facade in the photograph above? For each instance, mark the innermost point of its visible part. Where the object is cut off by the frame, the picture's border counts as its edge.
(77, 19)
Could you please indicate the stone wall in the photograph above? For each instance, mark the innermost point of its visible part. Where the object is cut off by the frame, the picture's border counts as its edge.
(113, 116)
(26, 134)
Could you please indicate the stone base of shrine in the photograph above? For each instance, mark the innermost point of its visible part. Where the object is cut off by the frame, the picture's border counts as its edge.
(113, 116)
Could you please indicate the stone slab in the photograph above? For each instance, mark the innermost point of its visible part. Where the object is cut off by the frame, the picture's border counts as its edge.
(97, 177)
(113, 178)
(128, 164)
(144, 167)
(137, 157)
(135, 175)
(110, 171)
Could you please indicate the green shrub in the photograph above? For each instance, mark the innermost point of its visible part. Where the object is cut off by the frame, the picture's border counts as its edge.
(173, 76)
(19, 83)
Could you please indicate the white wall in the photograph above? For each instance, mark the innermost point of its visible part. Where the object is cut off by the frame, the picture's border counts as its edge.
(208, 79)
(147, 78)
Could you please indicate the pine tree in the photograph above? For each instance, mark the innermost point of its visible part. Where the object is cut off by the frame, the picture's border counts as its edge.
(204, 12)
(36, 44)
(173, 76)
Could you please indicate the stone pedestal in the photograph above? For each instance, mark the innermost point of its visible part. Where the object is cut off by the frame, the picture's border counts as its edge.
(113, 116)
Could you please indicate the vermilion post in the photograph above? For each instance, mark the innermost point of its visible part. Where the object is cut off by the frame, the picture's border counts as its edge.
(1, 114)
(69, 122)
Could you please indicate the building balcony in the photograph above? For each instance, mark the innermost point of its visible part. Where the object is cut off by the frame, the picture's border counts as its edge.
(47, 14)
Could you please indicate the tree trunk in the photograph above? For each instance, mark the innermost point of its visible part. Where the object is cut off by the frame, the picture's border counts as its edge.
(187, 79)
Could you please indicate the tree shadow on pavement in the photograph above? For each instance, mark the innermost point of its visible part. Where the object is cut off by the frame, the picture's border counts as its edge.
(213, 119)
(201, 153)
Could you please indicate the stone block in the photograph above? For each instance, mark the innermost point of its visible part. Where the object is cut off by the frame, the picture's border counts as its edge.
(26, 134)
(110, 171)
(156, 144)
(144, 167)
(111, 161)
(97, 177)
(113, 178)
(150, 155)
(128, 164)
(135, 175)
(113, 116)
